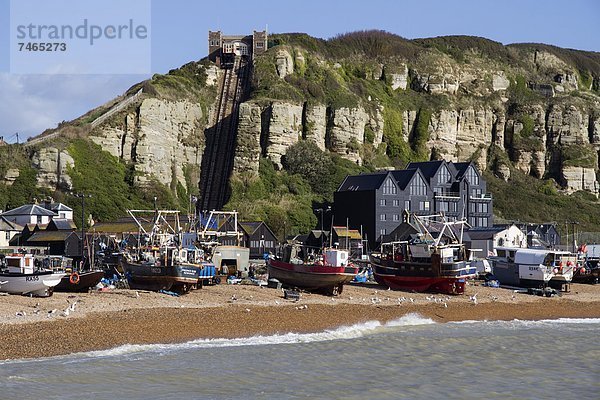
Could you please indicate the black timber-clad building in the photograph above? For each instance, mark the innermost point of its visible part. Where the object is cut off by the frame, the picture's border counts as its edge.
(257, 236)
(376, 201)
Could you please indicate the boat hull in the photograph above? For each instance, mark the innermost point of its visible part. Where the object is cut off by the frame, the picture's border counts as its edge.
(153, 277)
(311, 276)
(86, 281)
(39, 283)
(450, 278)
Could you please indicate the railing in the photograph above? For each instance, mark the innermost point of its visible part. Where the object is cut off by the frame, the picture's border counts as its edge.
(116, 109)
(483, 196)
(447, 195)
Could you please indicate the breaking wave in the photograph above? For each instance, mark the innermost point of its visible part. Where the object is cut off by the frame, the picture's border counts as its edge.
(341, 333)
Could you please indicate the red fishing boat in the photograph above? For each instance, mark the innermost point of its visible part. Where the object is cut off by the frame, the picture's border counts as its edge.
(431, 257)
(326, 272)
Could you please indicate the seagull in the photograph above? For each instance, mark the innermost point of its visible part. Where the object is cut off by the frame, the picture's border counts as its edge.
(445, 305)
(21, 314)
(412, 300)
(473, 298)
(137, 294)
(276, 302)
(389, 288)
(72, 306)
(66, 312)
(233, 298)
(247, 310)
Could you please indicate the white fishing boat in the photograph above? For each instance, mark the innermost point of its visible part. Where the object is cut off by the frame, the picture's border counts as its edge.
(532, 267)
(22, 276)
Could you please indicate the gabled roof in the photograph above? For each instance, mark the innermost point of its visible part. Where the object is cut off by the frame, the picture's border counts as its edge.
(341, 231)
(428, 168)
(362, 182)
(58, 207)
(50, 236)
(29, 209)
(543, 228)
(482, 234)
(6, 225)
(61, 224)
(403, 177)
(250, 227)
(461, 168)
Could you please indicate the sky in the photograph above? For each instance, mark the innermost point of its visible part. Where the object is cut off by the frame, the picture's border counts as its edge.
(31, 103)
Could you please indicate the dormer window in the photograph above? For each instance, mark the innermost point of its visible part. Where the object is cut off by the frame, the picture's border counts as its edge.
(389, 187)
(443, 175)
(472, 176)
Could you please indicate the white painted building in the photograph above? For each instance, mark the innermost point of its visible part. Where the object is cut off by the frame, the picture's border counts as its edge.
(62, 210)
(8, 230)
(29, 214)
(484, 241)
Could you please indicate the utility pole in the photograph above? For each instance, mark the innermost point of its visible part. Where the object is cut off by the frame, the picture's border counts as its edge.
(82, 241)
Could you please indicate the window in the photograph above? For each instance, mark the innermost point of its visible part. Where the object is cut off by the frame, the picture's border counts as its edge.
(472, 221)
(39, 219)
(407, 205)
(396, 203)
(259, 45)
(424, 205)
(214, 42)
(417, 187)
(389, 187)
(472, 176)
(383, 232)
(382, 202)
(382, 217)
(443, 175)
(443, 206)
(396, 217)
(482, 222)
(482, 207)
(7, 235)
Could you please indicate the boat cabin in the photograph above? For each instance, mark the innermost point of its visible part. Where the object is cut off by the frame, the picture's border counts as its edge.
(20, 263)
(335, 257)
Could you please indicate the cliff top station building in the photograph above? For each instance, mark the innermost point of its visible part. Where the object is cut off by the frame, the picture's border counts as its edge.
(222, 49)
(376, 201)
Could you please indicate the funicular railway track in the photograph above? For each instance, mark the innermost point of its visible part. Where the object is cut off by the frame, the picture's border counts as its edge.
(218, 156)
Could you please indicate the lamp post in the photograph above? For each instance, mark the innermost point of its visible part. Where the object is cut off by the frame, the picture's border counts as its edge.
(82, 196)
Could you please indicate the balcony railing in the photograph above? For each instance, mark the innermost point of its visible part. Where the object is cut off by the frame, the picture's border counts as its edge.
(483, 196)
(447, 195)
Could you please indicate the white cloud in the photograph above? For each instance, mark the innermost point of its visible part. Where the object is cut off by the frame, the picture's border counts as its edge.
(29, 104)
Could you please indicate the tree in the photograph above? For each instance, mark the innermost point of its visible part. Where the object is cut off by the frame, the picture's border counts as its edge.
(311, 163)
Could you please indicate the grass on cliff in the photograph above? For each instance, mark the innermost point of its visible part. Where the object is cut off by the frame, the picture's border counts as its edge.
(285, 199)
(109, 182)
(527, 199)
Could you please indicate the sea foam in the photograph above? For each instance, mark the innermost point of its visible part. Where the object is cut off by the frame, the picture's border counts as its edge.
(341, 333)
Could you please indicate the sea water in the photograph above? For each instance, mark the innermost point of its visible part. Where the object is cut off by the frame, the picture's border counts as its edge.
(410, 358)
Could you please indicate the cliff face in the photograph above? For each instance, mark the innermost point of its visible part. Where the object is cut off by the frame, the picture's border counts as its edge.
(532, 108)
(528, 102)
(159, 137)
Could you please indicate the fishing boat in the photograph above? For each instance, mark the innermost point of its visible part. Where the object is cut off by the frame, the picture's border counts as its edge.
(588, 266)
(160, 268)
(429, 257)
(75, 280)
(21, 275)
(535, 268)
(161, 263)
(326, 272)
